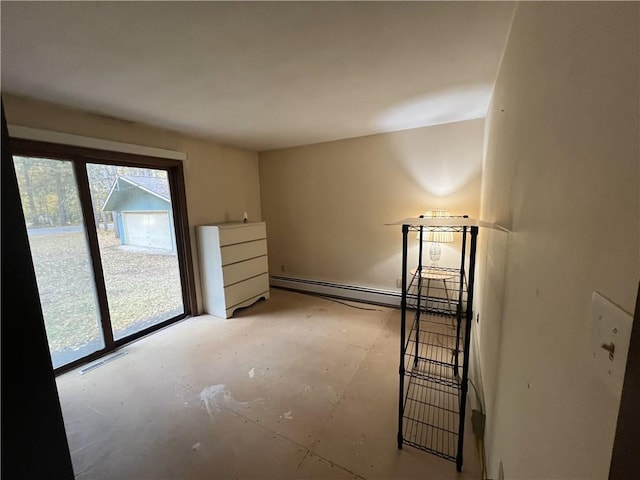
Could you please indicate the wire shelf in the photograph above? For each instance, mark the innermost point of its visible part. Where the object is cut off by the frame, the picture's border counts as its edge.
(434, 363)
(434, 352)
(431, 418)
(438, 290)
(452, 229)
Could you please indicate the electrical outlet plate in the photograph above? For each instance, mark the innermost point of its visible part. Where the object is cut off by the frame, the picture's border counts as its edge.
(477, 423)
(609, 325)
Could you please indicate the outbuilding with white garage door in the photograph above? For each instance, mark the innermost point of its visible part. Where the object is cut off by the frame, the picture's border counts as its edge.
(141, 209)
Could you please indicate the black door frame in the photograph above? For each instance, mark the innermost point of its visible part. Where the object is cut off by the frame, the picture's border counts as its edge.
(625, 461)
(34, 441)
(80, 157)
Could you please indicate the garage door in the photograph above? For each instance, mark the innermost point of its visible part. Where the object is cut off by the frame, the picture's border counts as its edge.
(148, 229)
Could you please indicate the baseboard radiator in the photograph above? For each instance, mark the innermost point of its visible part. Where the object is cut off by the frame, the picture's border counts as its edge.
(374, 296)
(435, 304)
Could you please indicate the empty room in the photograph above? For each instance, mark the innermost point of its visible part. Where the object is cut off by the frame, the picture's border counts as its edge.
(290, 240)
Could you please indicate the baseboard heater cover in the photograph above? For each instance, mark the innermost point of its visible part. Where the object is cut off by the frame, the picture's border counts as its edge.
(338, 290)
(357, 293)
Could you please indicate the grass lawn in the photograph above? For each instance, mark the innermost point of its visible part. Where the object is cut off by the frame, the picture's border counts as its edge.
(143, 287)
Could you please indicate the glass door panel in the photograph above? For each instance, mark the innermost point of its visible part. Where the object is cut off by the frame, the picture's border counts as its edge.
(60, 252)
(136, 235)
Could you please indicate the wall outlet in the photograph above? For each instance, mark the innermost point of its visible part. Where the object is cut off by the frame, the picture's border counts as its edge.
(399, 282)
(477, 423)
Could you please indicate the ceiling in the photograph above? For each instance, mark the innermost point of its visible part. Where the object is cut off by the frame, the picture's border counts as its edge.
(260, 75)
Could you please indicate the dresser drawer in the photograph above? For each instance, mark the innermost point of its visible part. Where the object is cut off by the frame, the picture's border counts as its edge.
(243, 251)
(237, 272)
(233, 235)
(242, 291)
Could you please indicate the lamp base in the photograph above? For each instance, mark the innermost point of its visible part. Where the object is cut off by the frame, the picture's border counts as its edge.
(434, 253)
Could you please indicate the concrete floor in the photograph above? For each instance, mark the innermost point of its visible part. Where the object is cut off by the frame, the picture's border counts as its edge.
(296, 386)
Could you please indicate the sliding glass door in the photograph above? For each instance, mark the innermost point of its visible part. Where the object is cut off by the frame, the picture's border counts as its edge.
(61, 257)
(136, 235)
(109, 246)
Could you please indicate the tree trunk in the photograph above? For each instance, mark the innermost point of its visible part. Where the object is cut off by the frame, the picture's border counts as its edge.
(62, 212)
(29, 191)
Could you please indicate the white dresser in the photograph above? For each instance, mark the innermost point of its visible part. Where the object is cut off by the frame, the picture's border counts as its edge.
(234, 272)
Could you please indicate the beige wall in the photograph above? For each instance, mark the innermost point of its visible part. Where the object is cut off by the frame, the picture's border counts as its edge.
(326, 205)
(221, 182)
(562, 171)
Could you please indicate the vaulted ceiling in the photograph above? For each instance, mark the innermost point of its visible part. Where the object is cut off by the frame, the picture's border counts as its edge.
(260, 75)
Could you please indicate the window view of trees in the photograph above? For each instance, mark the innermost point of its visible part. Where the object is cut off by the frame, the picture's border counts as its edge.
(48, 203)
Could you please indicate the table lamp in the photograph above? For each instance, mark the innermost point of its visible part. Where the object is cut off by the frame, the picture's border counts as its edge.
(436, 235)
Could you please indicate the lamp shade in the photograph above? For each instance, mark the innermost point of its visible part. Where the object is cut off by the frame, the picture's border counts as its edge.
(436, 234)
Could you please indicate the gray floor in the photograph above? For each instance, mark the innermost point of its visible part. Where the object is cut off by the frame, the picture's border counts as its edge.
(297, 386)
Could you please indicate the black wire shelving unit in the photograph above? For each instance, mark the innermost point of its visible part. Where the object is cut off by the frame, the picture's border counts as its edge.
(434, 345)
